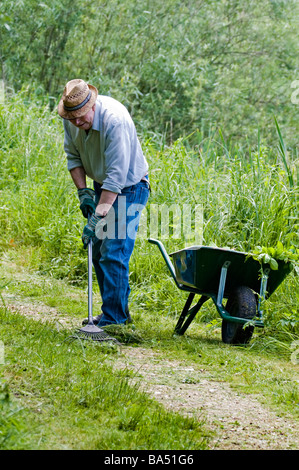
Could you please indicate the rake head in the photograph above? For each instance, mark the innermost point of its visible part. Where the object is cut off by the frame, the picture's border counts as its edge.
(92, 332)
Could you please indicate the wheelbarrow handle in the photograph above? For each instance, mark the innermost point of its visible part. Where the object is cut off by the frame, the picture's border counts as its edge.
(166, 258)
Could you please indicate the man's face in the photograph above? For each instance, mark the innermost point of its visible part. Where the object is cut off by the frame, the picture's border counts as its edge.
(85, 122)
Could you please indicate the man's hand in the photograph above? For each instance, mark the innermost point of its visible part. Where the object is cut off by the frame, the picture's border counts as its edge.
(87, 201)
(90, 228)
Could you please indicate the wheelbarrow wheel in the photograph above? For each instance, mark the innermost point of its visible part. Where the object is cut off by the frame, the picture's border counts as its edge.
(242, 304)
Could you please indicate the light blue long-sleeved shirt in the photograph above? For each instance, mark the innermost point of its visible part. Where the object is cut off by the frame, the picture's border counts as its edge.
(110, 153)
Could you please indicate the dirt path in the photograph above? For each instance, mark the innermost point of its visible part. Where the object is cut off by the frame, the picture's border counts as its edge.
(237, 421)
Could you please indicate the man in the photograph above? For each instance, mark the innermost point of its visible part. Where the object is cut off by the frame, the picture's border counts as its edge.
(101, 142)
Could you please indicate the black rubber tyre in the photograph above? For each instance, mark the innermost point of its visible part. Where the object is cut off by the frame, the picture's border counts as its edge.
(241, 304)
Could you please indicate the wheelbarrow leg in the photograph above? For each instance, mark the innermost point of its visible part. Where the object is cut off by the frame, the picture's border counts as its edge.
(188, 312)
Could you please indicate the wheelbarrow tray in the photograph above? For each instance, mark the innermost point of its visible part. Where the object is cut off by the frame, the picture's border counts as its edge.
(199, 268)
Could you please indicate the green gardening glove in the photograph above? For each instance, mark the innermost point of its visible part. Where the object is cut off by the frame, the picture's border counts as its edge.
(87, 201)
(90, 229)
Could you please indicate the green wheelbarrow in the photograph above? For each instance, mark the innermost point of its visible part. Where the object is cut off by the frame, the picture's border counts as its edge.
(217, 274)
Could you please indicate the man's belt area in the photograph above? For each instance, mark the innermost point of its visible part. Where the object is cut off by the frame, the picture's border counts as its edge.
(145, 178)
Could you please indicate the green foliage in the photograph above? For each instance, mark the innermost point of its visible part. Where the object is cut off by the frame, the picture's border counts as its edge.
(13, 432)
(178, 66)
(270, 255)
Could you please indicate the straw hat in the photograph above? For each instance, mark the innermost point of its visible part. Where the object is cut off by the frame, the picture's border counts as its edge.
(77, 99)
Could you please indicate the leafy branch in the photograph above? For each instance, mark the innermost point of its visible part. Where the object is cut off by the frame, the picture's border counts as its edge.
(270, 255)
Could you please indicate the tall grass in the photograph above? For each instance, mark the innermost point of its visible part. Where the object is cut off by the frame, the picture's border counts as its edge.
(249, 197)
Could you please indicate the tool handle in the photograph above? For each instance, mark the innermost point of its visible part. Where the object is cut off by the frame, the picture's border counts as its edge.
(89, 248)
(90, 317)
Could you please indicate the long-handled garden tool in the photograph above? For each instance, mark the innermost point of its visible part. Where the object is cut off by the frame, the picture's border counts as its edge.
(91, 331)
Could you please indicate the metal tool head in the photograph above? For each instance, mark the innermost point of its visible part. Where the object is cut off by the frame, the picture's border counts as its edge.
(94, 333)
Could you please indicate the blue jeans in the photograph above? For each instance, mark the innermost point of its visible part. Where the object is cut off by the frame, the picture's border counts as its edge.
(112, 252)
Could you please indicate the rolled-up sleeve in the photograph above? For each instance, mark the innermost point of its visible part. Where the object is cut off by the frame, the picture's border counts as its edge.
(72, 154)
(117, 157)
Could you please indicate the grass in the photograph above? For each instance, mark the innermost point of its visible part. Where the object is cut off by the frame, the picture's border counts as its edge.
(65, 395)
(62, 394)
(57, 395)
